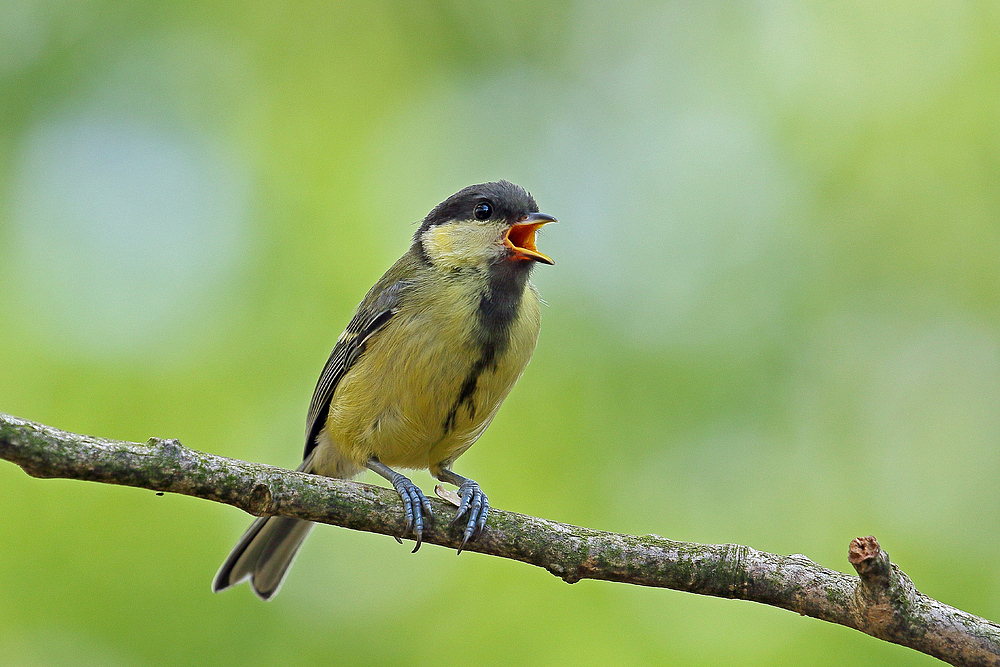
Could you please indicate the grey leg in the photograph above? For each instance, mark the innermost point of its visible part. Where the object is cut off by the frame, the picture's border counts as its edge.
(474, 502)
(413, 499)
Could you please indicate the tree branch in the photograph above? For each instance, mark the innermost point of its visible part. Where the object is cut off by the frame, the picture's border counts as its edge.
(881, 602)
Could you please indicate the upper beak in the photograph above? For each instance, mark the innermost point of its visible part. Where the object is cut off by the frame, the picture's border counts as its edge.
(521, 237)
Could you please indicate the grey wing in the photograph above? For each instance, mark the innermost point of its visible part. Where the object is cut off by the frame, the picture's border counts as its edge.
(366, 322)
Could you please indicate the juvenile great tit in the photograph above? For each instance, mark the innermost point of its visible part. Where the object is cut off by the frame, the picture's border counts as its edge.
(421, 369)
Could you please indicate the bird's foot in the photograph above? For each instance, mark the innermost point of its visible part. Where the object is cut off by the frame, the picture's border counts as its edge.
(415, 504)
(477, 506)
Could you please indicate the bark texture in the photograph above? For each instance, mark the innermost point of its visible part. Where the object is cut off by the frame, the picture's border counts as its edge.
(881, 601)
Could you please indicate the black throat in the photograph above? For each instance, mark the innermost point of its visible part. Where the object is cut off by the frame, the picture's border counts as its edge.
(500, 302)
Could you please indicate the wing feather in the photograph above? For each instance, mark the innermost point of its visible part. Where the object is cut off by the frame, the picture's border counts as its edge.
(371, 317)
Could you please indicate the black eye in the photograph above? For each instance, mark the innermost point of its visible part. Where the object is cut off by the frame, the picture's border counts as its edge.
(483, 210)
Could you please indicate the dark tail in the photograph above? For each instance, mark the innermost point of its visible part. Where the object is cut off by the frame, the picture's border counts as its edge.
(263, 555)
(265, 552)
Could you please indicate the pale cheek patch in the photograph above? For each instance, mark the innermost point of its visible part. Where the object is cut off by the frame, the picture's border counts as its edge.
(458, 245)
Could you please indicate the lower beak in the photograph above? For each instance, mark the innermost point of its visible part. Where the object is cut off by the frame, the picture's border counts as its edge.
(521, 237)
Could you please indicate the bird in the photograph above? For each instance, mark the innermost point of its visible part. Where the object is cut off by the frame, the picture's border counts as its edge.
(420, 371)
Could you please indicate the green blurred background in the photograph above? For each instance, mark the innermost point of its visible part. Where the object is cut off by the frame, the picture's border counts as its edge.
(773, 320)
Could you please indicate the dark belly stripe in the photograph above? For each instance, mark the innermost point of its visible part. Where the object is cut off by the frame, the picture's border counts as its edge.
(499, 305)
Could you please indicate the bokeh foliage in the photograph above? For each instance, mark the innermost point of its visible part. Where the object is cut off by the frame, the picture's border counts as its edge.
(773, 319)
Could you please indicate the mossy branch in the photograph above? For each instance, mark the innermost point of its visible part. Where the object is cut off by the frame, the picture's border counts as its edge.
(881, 601)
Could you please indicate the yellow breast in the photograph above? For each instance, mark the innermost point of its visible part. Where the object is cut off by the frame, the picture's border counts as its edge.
(404, 400)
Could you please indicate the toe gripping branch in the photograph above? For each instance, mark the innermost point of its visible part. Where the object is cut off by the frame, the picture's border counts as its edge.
(415, 503)
(473, 502)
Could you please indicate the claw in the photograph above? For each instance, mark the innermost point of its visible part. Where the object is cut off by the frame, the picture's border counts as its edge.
(415, 503)
(475, 503)
(414, 506)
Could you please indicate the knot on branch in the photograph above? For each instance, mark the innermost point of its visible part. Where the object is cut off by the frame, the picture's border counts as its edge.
(169, 446)
(260, 501)
(871, 563)
(886, 595)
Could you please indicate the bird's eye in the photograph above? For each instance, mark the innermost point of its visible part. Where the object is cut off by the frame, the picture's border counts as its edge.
(483, 211)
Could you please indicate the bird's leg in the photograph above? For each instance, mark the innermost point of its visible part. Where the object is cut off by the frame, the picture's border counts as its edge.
(415, 503)
(474, 502)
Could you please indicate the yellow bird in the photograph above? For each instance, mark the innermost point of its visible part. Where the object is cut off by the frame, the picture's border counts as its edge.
(420, 371)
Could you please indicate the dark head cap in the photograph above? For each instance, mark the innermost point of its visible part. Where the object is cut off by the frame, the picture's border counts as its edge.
(497, 200)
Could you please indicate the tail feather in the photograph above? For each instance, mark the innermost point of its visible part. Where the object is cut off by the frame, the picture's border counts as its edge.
(263, 555)
(265, 552)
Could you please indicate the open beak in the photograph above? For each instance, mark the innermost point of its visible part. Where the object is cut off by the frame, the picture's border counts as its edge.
(521, 237)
